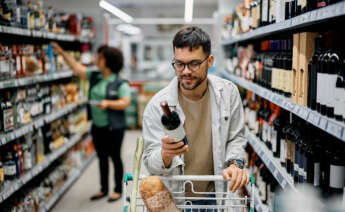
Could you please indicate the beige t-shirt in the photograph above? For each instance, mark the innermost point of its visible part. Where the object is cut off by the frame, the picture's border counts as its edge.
(199, 159)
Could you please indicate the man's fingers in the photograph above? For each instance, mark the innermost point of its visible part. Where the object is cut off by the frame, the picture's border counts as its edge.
(237, 180)
(248, 177)
(226, 175)
(172, 146)
(244, 179)
(234, 175)
(177, 151)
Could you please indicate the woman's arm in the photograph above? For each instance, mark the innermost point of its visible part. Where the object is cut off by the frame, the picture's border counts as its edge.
(78, 68)
(120, 104)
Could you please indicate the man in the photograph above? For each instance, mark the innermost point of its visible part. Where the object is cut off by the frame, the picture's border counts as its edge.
(211, 111)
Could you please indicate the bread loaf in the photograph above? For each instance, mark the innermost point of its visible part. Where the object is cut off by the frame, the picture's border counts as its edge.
(156, 195)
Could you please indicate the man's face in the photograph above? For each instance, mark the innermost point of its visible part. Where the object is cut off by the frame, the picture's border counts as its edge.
(190, 80)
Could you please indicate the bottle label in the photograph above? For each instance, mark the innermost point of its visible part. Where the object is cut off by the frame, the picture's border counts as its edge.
(332, 80)
(343, 100)
(274, 139)
(27, 161)
(264, 17)
(264, 131)
(318, 87)
(10, 170)
(316, 174)
(282, 151)
(2, 175)
(337, 176)
(178, 134)
(338, 103)
(8, 119)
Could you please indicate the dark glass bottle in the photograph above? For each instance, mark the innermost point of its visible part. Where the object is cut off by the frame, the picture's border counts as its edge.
(334, 66)
(337, 173)
(321, 3)
(10, 167)
(339, 94)
(172, 123)
(313, 74)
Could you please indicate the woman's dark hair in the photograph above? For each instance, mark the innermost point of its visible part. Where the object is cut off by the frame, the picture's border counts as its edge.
(113, 58)
(192, 37)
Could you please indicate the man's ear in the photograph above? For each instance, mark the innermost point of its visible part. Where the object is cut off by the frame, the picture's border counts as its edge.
(210, 61)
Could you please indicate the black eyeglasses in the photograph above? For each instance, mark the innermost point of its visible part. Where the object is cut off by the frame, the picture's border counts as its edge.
(192, 66)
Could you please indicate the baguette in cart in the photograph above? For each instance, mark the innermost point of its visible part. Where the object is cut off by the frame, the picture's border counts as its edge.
(155, 197)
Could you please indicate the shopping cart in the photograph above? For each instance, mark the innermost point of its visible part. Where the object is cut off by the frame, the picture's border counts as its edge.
(225, 200)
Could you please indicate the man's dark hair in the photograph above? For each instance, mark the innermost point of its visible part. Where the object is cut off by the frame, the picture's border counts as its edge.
(113, 58)
(192, 37)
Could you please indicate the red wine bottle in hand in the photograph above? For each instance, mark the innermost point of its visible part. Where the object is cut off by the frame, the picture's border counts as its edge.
(172, 124)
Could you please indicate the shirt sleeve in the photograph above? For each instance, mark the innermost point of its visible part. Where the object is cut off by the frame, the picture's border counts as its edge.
(124, 90)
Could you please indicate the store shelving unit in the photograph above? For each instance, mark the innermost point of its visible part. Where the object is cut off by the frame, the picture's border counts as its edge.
(15, 185)
(326, 124)
(306, 19)
(71, 179)
(12, 83)
(273, 164)
(43, 35)
(37, 123)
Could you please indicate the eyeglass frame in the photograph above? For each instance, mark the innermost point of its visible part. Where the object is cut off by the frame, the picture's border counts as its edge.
(188, 64)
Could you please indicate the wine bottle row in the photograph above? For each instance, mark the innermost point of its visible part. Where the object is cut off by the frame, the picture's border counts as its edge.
(21, 155)
(253, 14)
(40, 191)
(309, 68)
(308, 154)
(32, 15)
(20, 106)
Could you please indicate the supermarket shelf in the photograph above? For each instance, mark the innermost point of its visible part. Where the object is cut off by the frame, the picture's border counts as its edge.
(72, 178)
(43, 34)
(259, 206)
(37, 123)
(326, 124)
(11, 83)
(14, 186)
(300, 21)
(283, 178)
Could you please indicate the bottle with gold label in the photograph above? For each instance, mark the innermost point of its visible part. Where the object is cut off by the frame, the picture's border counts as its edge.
(31, 14)
(2, 175)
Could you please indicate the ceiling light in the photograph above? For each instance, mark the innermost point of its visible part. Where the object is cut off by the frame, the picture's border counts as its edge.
(128, 29)
(188, 11)
(115, 11)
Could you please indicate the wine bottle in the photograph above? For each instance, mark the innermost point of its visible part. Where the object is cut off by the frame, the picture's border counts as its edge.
(339, 95)
(337, 173)
(313, 74)
(172, 124)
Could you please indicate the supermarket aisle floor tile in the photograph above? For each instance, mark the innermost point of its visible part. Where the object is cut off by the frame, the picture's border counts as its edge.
(77, 197)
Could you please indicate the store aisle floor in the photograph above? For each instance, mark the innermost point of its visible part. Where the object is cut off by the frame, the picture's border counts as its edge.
(77, 197)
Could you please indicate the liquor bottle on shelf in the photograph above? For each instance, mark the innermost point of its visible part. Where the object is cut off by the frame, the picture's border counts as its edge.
(337, 173)
(28, 163)
(31, 13)
(39, 146)
(265, 12)
(266, 113)
(18, 160)
(2, 174)
(272, 133)
(313, 74)
(10, 170)
(172, 124)
(7, 114)
(339, 94)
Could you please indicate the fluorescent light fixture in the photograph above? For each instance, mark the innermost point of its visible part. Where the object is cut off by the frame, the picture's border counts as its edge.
(188, 11)
(128, 29)
(115, 11)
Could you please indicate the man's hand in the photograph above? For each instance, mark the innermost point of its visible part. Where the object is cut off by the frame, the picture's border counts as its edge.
(170, 149)
(104, 104)
(57, 47)
(239, 177)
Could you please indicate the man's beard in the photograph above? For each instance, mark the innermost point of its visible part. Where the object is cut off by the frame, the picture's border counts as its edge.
(196, 84)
